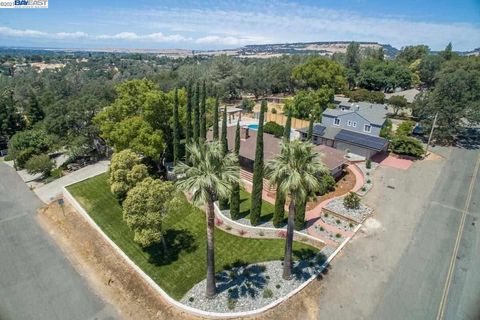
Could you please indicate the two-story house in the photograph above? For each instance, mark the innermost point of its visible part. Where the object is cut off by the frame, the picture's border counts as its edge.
(352, 127)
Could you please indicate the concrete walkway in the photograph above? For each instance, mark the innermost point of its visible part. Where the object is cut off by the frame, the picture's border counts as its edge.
(49, 191)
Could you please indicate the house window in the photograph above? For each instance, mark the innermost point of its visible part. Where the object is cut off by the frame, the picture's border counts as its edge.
(349, 123)
(336, 122)
(354, 124)
(367, 128)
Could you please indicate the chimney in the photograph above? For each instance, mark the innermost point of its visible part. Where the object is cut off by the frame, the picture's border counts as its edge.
(244, 134)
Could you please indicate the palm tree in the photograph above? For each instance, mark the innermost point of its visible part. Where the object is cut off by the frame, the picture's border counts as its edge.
(209, 175)
(295, 171)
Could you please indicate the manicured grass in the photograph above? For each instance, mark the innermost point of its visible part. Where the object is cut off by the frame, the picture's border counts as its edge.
(246, 203)
(185, 263)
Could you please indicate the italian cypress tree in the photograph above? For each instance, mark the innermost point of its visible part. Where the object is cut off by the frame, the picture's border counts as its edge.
(257, 188)
(215, 120)
(223, 139)
(288, 128)
(196, 114)
(224, 142)
(279, 213)
(300, 214)
(176, 130)
(203, 114)
(188, 120)
(235, 197)
(310, 128)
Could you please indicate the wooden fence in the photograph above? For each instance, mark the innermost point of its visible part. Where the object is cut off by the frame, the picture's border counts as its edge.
(282, 119)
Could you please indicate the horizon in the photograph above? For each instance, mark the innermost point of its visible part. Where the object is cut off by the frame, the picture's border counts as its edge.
(215, 25)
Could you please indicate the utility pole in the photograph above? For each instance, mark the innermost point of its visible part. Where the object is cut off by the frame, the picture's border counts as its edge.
(431, 133)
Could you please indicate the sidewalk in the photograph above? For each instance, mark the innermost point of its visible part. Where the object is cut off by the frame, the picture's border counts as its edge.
(49, 191)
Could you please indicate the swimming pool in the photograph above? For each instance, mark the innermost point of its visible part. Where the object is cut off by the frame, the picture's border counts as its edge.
(253, 127)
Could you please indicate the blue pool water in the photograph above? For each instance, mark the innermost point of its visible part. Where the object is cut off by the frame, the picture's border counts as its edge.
(253, 127)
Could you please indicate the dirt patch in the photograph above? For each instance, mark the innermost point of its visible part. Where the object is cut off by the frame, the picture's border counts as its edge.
(119, 285)
(106, 272)
(343, 186)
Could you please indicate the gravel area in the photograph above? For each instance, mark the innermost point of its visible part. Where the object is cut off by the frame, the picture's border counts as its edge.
(358, 215)
(265, 224)
(325, 234)
(343, 225)
(367, 173)
(249, 287)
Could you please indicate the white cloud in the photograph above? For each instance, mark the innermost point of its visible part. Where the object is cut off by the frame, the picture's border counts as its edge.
(157, 37)
(27, 33)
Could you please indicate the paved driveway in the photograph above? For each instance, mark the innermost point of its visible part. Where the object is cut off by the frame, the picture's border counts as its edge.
(36, 280)
(49, 191)
(396, 267)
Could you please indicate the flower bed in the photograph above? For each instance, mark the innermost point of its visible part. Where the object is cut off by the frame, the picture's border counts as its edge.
(358, 215)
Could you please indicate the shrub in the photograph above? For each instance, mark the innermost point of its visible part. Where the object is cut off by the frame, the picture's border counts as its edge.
(407, 146)
(274, 111)
(350, 225)
(351, 201)
(338, 235)
(231, 303)
(228, 228)
(282, 234)
(267, 277)
(386, 131)
(327, 184)
(364, 189)
(321, 228)
(338, 221)
(191, 299)
(267, 293)
(40, 164)
(368, 164)
(247, 105)
(368, 173)
(273, 128)
(56, 173)
(278, 286)
(326, 215)
(366, 95)
(23, 156)
(242, 232)
(261, 234)
(405, 128)
(369, 181)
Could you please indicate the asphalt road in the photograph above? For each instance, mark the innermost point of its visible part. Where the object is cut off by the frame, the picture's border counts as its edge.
(36, 280)
(396, 268)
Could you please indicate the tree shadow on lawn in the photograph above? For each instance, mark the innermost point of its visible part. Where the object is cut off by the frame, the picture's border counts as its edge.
(241, 279)
(177, 240)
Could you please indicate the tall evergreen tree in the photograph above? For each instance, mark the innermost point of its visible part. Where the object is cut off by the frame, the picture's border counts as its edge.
(215, 119)
(223, 139)
(203, 113)
(300, 209)
(196, 114)
(288, 127)
(176, 130)
(235, 198)
(188, 121)
(279, 213)
(257, 188)
(310, 128)
(224, 144)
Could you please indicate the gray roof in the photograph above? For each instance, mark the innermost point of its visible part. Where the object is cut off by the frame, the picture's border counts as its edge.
(372, 112)
(363, 140)
(322, 131)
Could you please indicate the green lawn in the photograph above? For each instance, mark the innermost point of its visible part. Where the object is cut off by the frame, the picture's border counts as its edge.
(246, 203)
(184, 265)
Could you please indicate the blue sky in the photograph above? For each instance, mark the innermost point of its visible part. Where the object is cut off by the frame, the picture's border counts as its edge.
(230, 24)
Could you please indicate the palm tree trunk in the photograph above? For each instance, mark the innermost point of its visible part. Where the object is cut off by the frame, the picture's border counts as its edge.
(287, 260)
(211, 289)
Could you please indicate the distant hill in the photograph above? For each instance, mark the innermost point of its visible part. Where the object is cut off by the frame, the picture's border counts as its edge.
(323, 47)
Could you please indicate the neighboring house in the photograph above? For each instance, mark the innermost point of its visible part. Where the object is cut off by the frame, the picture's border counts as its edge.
(333, 159)
(352, 126)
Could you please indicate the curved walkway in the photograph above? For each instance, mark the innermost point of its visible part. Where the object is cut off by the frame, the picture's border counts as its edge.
(313, 216)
